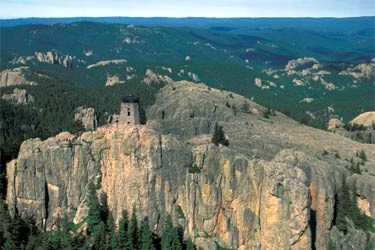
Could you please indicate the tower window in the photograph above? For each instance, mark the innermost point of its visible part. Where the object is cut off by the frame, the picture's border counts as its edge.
(128, 111)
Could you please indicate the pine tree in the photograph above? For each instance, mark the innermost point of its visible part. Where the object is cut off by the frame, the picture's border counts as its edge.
(362, 155)
(219, 137)
(122, 241)
(16, 234)
(246, 106)
(93, 215)
(170, 239)
(54, 237)
(189, 245)
(33, 242)
(67, 239)
(5, 223)
(133, 232)
(340, 207)
(95, 226)
(110, 231)
(146, 239)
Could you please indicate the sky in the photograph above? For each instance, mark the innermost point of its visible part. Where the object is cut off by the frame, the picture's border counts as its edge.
(183, 8)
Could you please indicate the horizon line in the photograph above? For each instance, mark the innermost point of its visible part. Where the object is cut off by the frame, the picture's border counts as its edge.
(183, 17)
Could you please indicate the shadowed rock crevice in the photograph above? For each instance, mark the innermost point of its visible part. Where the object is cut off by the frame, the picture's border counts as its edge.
(313, 224)
(46, 201)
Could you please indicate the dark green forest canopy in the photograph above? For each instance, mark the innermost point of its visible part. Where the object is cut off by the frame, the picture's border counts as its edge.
(217, 53)
(218, 56)
(53, 110)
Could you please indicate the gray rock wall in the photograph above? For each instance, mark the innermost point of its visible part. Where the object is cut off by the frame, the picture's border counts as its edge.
(271, 188)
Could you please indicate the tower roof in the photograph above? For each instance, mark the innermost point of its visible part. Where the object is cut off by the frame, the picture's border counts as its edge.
(130, 99)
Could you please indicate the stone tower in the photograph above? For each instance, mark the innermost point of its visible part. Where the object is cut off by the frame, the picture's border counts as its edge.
(129, 113)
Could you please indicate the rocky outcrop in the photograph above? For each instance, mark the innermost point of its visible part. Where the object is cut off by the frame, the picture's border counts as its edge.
(264, 84)
(21, 59)
(88, 52)
(54, 57)
(271, 187)
(362, 70)
(305, 71)
(307, 100)
(112, 80)
(193, 76)
(104, 63)
(16, 76)
(19, 96)
(366, 119)
(87, 117)
(361, 128)
(152, 78)
(335, 124)
(51, 57)
(306, 62)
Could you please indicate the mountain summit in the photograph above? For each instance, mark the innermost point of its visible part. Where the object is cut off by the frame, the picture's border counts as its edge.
(278, 183)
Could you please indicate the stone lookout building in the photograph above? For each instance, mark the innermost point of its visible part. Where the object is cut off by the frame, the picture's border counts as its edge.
(129, 113)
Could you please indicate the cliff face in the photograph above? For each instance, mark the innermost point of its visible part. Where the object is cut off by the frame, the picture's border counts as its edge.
(11, 77)
(87, 117)
(19, 96)
(271, 188)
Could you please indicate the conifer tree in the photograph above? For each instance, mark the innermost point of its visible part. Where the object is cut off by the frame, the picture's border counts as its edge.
(219, 137)
(170, 239)
(346, 208)
(55, 236)
(110, 231)
(341, 212)
(15, 234)
(93, 215)
(67, 239)
(133, 232)
(95, 226)
(146, 239)
(189, 245)
(122, 240)
(5, 223)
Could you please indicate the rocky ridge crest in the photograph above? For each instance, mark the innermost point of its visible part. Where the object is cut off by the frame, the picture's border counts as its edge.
(271, 187)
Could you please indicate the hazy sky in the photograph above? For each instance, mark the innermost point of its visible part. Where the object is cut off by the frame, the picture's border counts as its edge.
(183, 8)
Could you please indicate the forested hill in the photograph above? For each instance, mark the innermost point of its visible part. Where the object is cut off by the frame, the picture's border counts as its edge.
(310, 69)
(352, 24)
(313, 70)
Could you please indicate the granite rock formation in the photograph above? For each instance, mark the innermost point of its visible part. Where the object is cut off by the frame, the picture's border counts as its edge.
(271, 188)
(12, 77)
(152, 78)
(55, 57)
(365, 131)
(366, 119)
(19, 96)
(87, 117)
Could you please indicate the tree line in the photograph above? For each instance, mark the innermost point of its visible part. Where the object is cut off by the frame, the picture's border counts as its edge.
(101, 232)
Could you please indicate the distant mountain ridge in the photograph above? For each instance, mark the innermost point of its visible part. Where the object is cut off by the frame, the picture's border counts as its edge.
(225, 53)
(317, 24)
